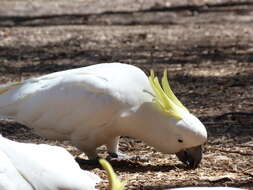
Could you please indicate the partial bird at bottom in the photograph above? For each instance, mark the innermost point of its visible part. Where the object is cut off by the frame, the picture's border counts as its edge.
(26, 166)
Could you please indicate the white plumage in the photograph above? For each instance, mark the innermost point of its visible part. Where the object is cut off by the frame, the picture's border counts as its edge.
(94, 105)
(10, 178)
(41, 167)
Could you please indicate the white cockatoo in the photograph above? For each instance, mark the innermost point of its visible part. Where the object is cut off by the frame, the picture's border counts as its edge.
(25, 166)
(94, 105)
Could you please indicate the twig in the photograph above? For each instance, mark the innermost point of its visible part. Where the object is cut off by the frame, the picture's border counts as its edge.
(231, 151)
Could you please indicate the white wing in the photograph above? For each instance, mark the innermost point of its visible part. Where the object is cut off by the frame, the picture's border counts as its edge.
(59, 104)
(10, 178)
(47, 167)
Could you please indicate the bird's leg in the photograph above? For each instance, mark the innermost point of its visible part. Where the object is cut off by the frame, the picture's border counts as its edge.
(92, 155)
(115, 154)
(113, 148)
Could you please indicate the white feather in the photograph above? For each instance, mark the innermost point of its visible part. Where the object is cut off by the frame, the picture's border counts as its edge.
(41, 167)
(10, 178)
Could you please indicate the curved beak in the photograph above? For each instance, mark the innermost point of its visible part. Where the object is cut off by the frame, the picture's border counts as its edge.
(191, 156)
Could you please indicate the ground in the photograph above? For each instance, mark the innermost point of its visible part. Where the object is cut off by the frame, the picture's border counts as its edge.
(207, 47)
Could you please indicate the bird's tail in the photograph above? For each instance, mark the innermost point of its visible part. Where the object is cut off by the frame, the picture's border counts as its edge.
(6, 99)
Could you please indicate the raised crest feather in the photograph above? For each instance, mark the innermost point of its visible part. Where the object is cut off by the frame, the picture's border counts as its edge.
(165, 99)
(169, 92)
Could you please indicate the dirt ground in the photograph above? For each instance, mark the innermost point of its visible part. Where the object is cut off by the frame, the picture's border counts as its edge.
(207, 47)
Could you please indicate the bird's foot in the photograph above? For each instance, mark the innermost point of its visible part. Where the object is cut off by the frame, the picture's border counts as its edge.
(93, 161)
(120, 156)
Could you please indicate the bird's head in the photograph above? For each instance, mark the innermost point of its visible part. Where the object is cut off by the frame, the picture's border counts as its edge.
(187, 133)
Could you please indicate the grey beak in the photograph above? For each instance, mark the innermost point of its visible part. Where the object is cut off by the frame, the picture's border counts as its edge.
(191, 157)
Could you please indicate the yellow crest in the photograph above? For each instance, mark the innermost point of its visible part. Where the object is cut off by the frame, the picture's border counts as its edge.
(114, 182)
(164, 98)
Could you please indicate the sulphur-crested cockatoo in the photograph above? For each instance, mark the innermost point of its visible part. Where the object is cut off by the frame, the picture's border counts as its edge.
(41, 167)
(94, 105)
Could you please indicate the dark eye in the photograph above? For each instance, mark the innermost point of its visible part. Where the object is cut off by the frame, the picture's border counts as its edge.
(180, 140)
